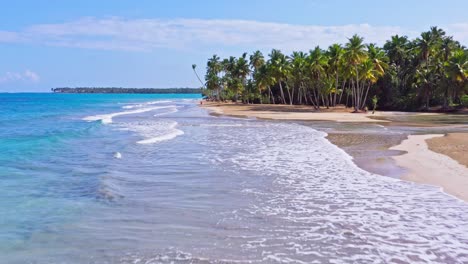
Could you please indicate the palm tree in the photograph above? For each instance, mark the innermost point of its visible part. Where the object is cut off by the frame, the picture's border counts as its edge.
(298, 73)
(356, 54)
(213, 68)
(264, 80)
(280, 70)
(457, 70)
(369, 76)
(194, 66)
(317, 64)
(242, 70)
(256, 60)
(335, 55)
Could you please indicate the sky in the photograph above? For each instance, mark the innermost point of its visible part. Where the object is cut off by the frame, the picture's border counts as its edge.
(153, 43)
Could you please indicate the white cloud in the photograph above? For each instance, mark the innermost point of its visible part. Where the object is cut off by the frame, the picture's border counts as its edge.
(27, 76)
(150, 34)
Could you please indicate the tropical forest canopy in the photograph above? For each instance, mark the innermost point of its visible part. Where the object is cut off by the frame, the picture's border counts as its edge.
(404, 74)
(128, 90)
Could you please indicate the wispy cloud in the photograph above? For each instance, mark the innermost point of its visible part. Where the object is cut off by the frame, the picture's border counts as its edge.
(150, 34)
(27, 76)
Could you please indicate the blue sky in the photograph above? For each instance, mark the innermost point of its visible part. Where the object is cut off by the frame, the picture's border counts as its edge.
(45, 44)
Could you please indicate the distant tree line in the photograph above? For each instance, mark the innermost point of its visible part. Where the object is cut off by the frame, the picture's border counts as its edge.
(403, 74)
(117, 90)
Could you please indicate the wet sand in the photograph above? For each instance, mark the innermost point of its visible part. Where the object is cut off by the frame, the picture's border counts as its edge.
(371, 151)
(429, 167)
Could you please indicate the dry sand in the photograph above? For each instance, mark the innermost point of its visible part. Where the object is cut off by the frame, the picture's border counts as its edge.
(289, 112)
(428, 167)
(454, 145)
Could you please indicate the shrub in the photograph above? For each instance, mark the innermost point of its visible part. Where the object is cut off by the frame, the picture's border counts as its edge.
(464, 100)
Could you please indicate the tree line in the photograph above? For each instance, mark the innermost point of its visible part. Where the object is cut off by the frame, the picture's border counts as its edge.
(404, 74)
(127, 90)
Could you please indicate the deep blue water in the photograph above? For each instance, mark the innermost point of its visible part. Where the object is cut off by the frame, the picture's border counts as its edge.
(156, 179)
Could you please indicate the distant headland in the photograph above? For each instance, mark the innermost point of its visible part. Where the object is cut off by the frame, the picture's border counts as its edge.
(117, 90)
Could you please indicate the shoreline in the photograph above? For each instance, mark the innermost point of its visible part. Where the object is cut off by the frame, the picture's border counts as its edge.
(398, 156)
(302, 113)
(428, 167)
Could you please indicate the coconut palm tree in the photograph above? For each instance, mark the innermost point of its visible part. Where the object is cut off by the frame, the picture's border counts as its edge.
(264, 80)
(256, 60)
(298, 62)
(194, 67)
(317, 63)
(355, 54)
(213, 69)
(280, 70)
(456, 69)
(335, 62)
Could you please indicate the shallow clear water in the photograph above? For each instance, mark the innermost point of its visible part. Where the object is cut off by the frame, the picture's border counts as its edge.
(132, 179)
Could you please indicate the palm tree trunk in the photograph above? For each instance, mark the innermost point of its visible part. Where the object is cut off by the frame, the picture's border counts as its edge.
(270, 95)
(356, 106)
(282, 93)
(342, 91)
(289, 93)
(365, 97)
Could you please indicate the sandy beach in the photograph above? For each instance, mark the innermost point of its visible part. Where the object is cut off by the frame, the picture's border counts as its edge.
(441, 160)
(299, 112)
(429, 167)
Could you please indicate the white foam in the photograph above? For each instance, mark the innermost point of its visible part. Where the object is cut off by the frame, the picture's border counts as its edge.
(170, 135)
(131, 106)
(321, 206)
(107, 118)
(153, 131)
(171, 111)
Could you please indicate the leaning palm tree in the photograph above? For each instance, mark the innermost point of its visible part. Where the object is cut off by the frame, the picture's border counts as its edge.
(194, 66)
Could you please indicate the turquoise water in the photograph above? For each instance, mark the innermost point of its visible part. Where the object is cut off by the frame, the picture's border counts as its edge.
(50, 159)
(156, 179)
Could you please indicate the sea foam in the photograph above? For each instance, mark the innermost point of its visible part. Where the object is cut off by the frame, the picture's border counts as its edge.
(321, 206)
(107, 118)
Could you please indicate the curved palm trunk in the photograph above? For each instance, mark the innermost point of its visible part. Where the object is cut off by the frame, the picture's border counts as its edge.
(282, 93)
(365, 97)
(198, 77)
(270, 95)
(289, 94)
(342, 91)
(357, 94)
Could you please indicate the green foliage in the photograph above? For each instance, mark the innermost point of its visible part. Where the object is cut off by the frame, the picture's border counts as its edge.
(404, 74)
(464, 100)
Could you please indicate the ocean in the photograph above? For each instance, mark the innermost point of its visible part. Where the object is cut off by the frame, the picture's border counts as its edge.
(108, 178)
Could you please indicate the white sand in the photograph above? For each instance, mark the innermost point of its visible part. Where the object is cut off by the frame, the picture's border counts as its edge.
(428, 167)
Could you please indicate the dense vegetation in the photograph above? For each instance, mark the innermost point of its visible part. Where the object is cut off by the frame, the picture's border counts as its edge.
(128, 90)
(404, 74)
